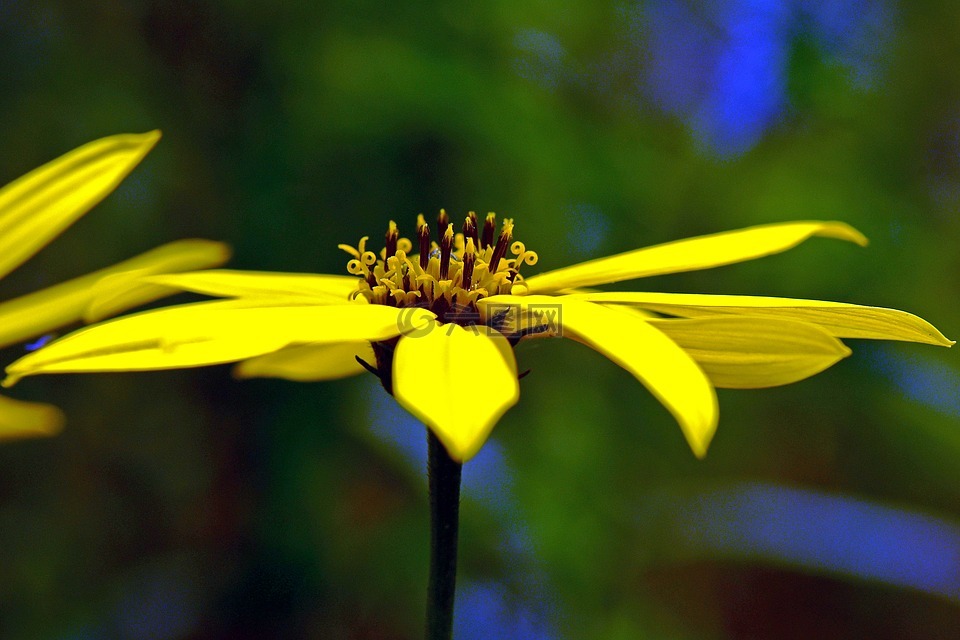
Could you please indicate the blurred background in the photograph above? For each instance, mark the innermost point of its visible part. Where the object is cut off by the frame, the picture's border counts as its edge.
(188, 505)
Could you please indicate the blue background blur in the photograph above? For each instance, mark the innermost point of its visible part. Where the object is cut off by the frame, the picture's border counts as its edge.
(189, 505)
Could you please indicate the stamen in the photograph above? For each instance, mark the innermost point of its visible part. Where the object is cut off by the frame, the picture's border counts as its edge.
(351, 250)
(450, 276)
(469, 259)
(523, 257)
(406, 272)
(501, 249)
(442, 220)
(423, 235)
(391, 240)
(355, 268)
(528, 258)
(470, 228)
(446, 243)
(489, 228)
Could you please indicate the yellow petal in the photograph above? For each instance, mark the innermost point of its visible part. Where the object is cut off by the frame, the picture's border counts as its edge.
(124, 285)
(35, 208)
(643, 350)
(458, 382)
(747, 352)
(308, 362)
(209, 333)
(839, 319)
(225, 283)
(702, 252)
(103, 292)
(20, 419)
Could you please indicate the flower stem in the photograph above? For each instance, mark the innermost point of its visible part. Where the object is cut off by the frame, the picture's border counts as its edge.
(444, 480)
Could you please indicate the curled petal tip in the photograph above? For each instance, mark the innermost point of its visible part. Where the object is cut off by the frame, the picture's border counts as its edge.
(700, 442)
(844, 231)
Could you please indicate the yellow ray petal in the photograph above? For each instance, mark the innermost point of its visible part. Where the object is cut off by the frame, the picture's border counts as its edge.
(125, 287)
(747, 352)
(209, 333)
(20, 419)
(436, 371)
(702, 252)
(643, 350)
(225, 283)
(839, 319)
(308, 362)
(103, 292)
(35, 208)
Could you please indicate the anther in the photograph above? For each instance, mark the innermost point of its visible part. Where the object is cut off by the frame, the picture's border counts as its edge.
(442, 220)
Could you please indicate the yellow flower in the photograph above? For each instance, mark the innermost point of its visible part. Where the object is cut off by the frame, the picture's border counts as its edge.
(35, 209)
(438, 326)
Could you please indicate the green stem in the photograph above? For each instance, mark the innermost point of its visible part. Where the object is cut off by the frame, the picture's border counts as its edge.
(444, 480)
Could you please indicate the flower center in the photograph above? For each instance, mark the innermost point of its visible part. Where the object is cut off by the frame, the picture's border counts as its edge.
(447, 276)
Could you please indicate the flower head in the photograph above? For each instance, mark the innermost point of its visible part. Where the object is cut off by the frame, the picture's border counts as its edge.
(444, 316)
(36, 208)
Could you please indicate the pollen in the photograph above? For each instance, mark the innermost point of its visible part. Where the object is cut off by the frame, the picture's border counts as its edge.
(450, 272)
